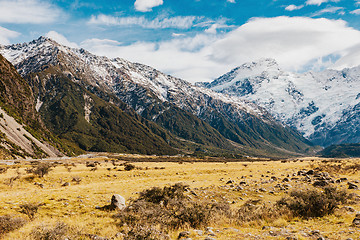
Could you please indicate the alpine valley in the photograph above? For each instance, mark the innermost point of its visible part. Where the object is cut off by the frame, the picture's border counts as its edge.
(78, 102)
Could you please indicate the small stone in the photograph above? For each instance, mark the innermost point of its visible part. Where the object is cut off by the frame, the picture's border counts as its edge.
(66, 184)
(199, 232)
(356, 222)
(184, 234)
(315, 232)
(209, 238)
(348, 208)
(286, 180)
(230, 182)
(352, 186)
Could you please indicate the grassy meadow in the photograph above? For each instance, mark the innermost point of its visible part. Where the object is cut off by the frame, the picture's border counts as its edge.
(251, 199)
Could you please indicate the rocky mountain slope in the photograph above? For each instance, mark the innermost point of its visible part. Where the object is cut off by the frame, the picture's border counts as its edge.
(65, 109)
(194, 114)
(323, 106)
(22, 133)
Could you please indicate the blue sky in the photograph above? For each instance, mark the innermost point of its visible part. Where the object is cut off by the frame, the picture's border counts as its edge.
(197, 40)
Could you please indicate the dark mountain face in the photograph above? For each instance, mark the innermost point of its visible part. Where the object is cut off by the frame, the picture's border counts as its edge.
(72, 84)
(22, 132)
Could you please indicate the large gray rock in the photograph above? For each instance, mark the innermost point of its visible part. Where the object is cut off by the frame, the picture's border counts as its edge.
(117, 202)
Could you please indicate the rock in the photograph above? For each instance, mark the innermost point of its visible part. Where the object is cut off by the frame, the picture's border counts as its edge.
(262, 190)
(356, 222)
(310, 172)
(117, 202)
(286, 180)
(209, 238)
(291, 238)
(352, 185)
(119, 235)
(95, 237)
(199, 232)
(230, 182)
(66, 184)
(348, 208)
(39, 184)
(210, 232)
(184, 234)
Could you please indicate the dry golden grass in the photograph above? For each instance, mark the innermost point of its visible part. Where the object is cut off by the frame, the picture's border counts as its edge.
(75, 204)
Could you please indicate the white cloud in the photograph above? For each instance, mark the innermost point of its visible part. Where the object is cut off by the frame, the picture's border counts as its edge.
(28, 11)
(212, 29)
(183, 22)
(319, 2)
(6, 34)
(293, 42)
(147, 5)
(356, 12)
(189, 56)
(296, 43)
(293, 7)
(178, 34)
(231, 1)
(330, 10)
(61, 39)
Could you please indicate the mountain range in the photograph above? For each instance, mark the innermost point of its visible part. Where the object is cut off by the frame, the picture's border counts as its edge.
(323, 106)
(93, 103)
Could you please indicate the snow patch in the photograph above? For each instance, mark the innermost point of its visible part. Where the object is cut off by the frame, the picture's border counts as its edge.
(87, 107)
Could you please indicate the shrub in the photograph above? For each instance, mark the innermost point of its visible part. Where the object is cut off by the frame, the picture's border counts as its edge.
(40, 169)
(171, 209)
(76, 179)
(129, 167)
(314, 203)
(59, 231)
(3, 170)
(145, 233)
(158, 195)
(9, 223)
(30, 209)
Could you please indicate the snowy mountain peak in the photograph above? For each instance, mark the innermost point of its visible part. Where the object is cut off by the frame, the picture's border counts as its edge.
(316, 104)
(265, 67)
(263, 63)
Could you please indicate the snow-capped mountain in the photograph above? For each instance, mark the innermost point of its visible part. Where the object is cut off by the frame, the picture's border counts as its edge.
(324, 106)
(168, 101)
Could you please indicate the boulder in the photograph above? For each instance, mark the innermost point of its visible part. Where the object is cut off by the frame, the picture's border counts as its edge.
(117, 202)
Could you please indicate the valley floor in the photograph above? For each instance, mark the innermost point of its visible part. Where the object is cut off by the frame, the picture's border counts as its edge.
(69, 199)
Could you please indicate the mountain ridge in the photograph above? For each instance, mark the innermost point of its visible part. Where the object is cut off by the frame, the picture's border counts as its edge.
(321, 105)
(201, 115)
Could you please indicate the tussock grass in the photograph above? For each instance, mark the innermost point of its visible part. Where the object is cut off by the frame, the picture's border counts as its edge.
(10, 223)
(158, 207)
